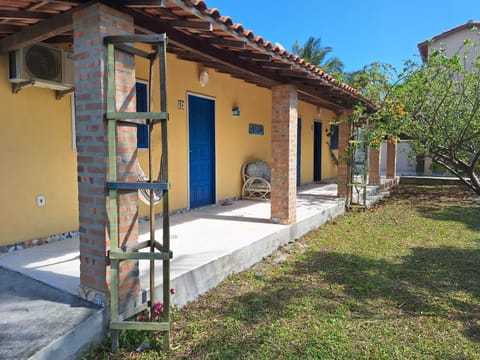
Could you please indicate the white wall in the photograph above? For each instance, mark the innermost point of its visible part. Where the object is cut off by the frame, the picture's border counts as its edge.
(406, 162)
(453, 42)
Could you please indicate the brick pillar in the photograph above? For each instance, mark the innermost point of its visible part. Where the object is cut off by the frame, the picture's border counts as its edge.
(90, 26)
(342, 169)
(374, 166)
(391, 160)
(284, 154)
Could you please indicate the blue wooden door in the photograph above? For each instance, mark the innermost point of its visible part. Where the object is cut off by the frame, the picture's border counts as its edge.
(299, 152)
(201, 125)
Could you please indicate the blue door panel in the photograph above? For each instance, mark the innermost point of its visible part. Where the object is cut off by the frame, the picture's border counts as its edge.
(201, 120)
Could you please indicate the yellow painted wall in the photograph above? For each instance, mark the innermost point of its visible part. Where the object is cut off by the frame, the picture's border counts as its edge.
(36, 158)
(309, 114)
(234, 145)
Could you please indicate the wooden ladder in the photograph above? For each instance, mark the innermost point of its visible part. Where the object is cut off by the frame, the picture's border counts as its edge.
(357, 182)
(157, 250)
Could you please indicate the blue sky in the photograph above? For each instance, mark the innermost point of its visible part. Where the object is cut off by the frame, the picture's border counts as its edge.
(359, 31)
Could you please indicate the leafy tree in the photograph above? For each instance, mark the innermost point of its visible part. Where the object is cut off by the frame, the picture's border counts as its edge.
(316, 54)
(374, 81)
(435, 104)
(359, 79)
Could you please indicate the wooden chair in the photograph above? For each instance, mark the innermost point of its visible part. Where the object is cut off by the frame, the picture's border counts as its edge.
(256, 180)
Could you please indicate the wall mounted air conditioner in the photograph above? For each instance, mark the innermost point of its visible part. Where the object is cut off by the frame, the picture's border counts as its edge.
(41, 65)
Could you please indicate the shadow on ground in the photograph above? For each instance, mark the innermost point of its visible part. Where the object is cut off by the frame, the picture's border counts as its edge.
(470, 216)
(440, 283)
(422, 284)
(440, 203)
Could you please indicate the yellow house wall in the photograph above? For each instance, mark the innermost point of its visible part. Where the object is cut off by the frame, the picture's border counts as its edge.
(309, 114)
(234, 145)
(329, 167)
(37, 159)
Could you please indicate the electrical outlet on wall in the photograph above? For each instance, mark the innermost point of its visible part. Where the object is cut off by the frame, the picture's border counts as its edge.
(40, 200)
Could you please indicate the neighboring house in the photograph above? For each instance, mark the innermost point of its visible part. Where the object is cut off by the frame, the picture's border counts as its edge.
(228, 89)
(453, 41)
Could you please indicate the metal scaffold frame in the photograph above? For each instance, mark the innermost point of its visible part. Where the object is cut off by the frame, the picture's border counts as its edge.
(156, 250)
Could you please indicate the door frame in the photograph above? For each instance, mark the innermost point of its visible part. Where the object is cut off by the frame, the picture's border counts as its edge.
(187, 108)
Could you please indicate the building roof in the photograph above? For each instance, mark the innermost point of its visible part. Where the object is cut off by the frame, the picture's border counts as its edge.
(423, 46)
(195, 32)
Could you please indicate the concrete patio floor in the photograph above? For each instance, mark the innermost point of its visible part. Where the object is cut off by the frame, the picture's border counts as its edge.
(208, 244)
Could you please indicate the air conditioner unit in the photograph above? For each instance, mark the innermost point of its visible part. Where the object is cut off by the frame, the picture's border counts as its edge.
(42, 65)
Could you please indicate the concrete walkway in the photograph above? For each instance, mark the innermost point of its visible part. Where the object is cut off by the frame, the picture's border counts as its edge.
(208, 244)
(40, 322)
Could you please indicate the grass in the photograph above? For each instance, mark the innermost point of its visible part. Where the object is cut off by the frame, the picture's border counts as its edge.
(399, 281)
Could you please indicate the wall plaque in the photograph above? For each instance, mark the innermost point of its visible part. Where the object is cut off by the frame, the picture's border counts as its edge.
(255, 129)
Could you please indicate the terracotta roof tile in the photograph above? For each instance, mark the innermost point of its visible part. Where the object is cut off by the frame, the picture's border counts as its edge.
(226, 20)
(259, 40)
(199, 4)
(225, 24)
(214, 13)
(277, 48)
(238, 27)
(248, 34)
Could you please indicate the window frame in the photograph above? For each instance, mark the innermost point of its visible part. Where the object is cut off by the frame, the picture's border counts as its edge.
(333, 137)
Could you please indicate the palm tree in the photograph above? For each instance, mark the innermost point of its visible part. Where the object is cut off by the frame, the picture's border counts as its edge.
(313, 52)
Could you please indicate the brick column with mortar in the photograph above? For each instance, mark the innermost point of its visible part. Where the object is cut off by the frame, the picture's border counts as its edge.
(90, 25)
(391, 160)
(374, 166)
(284, 154)
(342, 168)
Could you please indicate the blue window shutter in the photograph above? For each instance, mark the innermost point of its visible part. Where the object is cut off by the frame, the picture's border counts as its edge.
(142, 130)
(333, 137)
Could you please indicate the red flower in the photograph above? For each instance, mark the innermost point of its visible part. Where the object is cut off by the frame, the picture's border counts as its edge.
(141, 318)
(158, 306)
(155, 314)
(172, 291)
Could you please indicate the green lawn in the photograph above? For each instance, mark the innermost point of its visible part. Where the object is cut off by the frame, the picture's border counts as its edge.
(399, 281)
